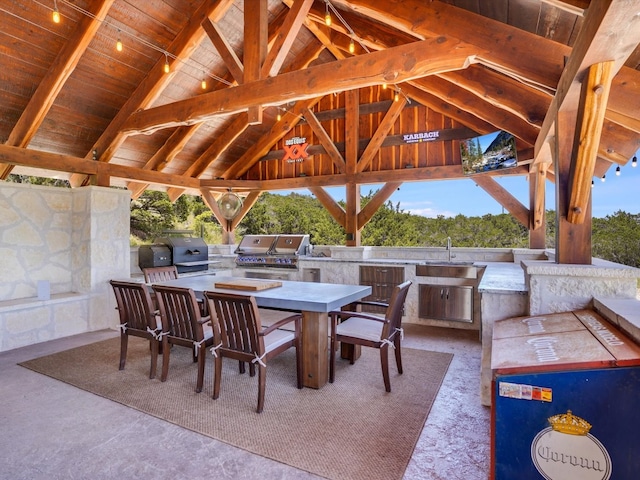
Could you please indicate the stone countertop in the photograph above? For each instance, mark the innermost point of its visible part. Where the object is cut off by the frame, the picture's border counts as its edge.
(502, 277)
(390, 261)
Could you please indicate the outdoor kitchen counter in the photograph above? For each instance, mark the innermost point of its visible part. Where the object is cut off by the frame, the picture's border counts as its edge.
(502, 277)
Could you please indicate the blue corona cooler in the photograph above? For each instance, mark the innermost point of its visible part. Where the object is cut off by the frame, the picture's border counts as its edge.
(566, 399)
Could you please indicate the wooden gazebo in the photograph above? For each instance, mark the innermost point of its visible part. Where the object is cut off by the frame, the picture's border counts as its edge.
(206, 96)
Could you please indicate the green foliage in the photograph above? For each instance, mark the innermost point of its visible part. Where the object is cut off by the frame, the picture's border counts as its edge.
(617, 238)
(151, 213)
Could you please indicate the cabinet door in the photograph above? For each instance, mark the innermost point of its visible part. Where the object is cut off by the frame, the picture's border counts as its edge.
(459, 304)
(446, 302)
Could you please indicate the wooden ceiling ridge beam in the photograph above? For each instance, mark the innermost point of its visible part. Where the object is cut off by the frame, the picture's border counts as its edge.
(610, 31)
(256, 47)
(397, 64)
(60, 70)
(185, 43)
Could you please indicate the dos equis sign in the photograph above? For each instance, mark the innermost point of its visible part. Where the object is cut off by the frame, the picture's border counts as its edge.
(295, 150)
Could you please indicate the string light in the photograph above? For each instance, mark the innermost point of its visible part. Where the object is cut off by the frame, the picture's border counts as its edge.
(203, 84)
(119, 43)
(352, 46)
(396, 96)
(634, 161)
(133, 36)
(604, 178)
(56, 14)
(592, 183)
(352, 34)
(618, 171)
(384, 86)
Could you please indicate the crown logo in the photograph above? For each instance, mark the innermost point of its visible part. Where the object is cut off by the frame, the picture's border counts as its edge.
(570, 424)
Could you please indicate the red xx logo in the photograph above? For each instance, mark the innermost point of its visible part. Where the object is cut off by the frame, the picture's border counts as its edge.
(295, 152)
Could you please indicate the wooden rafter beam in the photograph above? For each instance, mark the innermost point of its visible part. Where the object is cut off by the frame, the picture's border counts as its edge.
(372, 206)
(155, 82)
(63, 66)
(264, 144)
(285, 37)
(401, 63)
(255, 49)
(504, 198)
(610, 31)
(334, 209)
(593, 104)
(381, 133)
(326, 142)
(226, 52)
(172, 147)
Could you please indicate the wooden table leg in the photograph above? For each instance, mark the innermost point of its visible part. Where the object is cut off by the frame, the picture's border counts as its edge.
(315, 331)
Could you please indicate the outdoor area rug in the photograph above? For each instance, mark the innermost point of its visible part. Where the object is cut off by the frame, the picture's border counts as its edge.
(349, 429)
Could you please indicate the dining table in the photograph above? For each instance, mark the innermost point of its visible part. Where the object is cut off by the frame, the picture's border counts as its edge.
(313, 299)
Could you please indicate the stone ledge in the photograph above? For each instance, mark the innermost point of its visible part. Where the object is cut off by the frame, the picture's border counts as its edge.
(599, 268)
(622, 312)
(7, 306)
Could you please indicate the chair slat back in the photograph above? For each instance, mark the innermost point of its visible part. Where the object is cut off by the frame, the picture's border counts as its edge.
(134, 305)
(395, 309)
(160, 274)
(236, 322)
(179, 312)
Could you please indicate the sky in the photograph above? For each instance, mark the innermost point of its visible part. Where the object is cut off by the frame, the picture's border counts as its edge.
(452, 197)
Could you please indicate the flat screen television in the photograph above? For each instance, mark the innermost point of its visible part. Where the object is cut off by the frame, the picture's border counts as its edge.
(493, 151)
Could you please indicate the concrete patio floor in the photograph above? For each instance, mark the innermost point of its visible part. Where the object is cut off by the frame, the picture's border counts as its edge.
(51, 430)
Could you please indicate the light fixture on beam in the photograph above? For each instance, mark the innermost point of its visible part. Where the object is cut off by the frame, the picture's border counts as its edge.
(327, 15)
(167, 68)
(56, 14)
(352, 46)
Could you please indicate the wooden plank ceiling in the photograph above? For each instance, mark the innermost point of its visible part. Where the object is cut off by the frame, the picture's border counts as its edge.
(288, 104)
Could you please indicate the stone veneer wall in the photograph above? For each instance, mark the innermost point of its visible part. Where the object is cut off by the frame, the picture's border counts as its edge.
(74, 239)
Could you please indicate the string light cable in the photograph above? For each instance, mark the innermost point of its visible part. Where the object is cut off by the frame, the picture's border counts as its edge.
(168, 55)
(352, 34)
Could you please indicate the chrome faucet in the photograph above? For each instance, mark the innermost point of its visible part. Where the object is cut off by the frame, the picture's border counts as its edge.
(449, 249)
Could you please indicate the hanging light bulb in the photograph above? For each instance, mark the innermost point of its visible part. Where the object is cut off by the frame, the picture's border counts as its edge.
(634, 161)
(352, 46)
(618, 171)
(167, 68)
(384, 86)
(279, 116)
(396, 96)
(592, 183)
(203, 84)
(56, 14)
(327, 15)
(119, 43)
(603, 179)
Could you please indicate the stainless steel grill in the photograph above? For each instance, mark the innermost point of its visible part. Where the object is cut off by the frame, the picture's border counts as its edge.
(271, 251)
(188, 254)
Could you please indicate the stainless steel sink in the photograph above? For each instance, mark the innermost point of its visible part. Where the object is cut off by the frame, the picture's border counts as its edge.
(446, 269)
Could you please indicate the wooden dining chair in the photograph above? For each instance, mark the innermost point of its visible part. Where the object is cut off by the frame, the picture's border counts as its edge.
(369, 330)
(160, 274)
(238, 334)
(183, 325)
(170, 272)
(138, 317)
